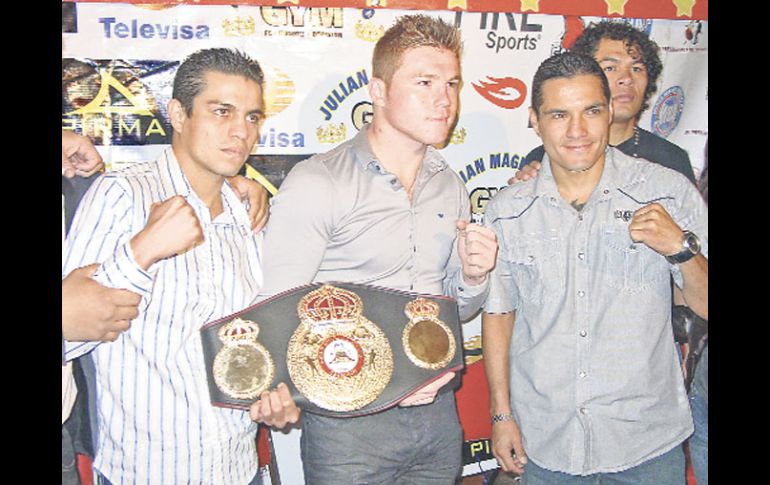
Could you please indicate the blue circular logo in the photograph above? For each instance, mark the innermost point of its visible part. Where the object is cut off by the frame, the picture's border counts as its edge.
(667, 111)
(367, 13)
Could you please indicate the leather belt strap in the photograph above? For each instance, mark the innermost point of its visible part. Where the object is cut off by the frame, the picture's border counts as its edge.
(343, 349)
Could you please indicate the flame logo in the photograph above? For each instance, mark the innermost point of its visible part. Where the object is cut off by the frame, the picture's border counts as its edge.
(505, 92)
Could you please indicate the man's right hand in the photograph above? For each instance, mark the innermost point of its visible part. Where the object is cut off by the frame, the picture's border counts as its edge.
(506, 438)
(275, 408)
(526, 172)
(78, 156)
(90, 311)
(172, 228)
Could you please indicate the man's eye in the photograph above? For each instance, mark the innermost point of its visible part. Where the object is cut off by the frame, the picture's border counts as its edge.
(254, 118)
(424, 82)
(609, 68)
(221, 111)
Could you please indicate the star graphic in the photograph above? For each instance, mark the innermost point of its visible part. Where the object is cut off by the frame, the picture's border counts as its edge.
(684, 7)
(463, 4)
(530, 5)
(616, 6)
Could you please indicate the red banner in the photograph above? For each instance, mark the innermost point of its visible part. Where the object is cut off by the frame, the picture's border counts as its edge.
(647, 9)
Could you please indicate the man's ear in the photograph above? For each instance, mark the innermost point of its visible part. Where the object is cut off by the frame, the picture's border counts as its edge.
(378, 91)
(534, 121)
(176, 114)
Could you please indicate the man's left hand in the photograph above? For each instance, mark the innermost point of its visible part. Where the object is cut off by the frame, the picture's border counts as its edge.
(256, 195)
(477, 246)
(653, 226)
(275, 408)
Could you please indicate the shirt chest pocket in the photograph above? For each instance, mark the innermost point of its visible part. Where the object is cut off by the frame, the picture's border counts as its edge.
(626, 265)
(535, 264)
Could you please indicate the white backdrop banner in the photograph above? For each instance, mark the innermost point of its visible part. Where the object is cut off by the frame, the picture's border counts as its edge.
(119, 61)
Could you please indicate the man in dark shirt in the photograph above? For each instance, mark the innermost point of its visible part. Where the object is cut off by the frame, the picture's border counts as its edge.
(630, 61)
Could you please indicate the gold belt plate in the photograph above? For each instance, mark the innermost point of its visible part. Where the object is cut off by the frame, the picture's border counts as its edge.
(336, 357)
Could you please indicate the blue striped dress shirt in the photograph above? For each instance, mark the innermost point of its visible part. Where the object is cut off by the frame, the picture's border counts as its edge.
(156, 423)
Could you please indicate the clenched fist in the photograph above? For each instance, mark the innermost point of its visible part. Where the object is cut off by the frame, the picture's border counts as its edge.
(652, 225)
(172, 228)
(477, 247)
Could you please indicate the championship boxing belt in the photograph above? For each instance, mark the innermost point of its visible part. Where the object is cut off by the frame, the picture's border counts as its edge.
(343, 349)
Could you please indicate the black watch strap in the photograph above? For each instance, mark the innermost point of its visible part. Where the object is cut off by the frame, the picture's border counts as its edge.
(688, 251)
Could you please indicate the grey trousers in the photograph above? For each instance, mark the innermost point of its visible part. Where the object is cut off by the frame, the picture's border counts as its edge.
(412, 445)
(69, 468)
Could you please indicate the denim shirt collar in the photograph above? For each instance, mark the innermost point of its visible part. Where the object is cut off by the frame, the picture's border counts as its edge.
(609, 183)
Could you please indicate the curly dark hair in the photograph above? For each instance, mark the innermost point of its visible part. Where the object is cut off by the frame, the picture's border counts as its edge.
(634, 39)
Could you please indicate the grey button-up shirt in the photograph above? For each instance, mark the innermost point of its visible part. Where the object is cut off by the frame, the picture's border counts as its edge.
(339, 216)
(594, 375)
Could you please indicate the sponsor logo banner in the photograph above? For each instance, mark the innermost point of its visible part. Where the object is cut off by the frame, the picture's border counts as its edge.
(116, 101)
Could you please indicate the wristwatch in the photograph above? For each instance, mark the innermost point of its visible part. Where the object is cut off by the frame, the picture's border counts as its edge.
(690, 248)
(502, 417)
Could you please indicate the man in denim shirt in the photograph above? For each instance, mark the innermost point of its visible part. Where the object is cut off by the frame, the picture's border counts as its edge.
(587, 385)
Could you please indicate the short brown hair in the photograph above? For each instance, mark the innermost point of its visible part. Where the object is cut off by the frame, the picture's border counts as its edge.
(409, 32)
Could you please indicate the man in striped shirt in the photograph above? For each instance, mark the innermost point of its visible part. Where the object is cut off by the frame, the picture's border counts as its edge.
(90, 311)
(176, 233)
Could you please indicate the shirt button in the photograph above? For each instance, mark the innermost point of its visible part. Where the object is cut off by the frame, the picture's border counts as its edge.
(583, 333)
(580, 217)
(582, 374)
(581, 255)
(581, 293)
(583, 411)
